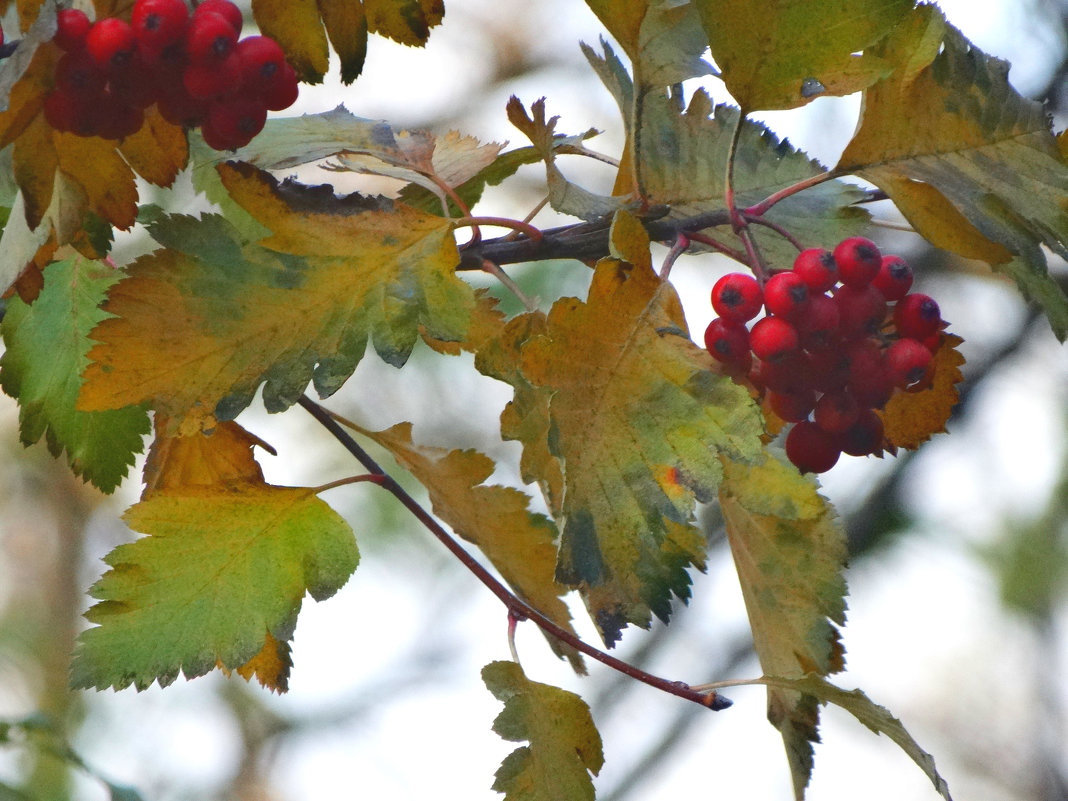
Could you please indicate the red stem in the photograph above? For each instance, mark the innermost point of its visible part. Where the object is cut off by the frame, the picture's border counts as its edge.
(516, 607)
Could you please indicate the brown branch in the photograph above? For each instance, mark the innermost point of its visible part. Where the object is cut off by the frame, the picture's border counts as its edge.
(516, 607)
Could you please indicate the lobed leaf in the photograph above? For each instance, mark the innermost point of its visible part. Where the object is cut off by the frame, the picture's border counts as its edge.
(46, 346)
(298, 307)
(564, 749)
(947, 137)
(790, 553)
(219, 580)
(780, 54)
(637, 418)
(911, 416)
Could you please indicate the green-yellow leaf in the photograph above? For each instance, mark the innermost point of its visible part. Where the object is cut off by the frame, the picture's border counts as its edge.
(638, 418)
(946, 137)
(564, 749)
(219, 573)
(519, 543)
(346, 27)
(299, 307)
(405, 21)
(790, 553)
(780, 54)
(46, 347)
(295, 25)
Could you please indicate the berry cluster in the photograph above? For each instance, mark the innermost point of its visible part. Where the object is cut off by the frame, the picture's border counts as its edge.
(192, 66)
(841, 332)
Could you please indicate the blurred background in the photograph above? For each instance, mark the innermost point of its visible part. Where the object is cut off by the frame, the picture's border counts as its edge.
(958, 618)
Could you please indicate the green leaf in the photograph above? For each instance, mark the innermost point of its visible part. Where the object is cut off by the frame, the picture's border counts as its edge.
(299, 307)
(790, 554)
(564, 749)
(638, 418)
(47, 343)
(780, 54)
(519, 543)
(220, 574)
(950, 141)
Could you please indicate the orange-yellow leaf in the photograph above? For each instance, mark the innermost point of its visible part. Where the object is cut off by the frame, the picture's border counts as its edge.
(270, 666)
(295, 25)
(912, 416)
(223, 457)
(405, 21)
(346, 27)
(34, 162)
(159, 151)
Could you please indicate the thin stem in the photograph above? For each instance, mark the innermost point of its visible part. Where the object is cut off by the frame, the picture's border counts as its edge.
(737, 222)
(515, 606)
(761, 208)
(718, 246)
(682, 242)
(374, 478)
(530, 216)
(534, 234)
(495, 270)
(513, 622)
(774, 227)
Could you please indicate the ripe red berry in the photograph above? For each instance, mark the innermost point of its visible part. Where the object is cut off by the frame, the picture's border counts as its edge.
(917, 316)
(283, 91)
(117, 120)
(864, 437)
(261, 61)
(858, 261)
(811, 448)
(773, 339)
(210, 81)
(818, 326)
(72, 26)
(907, 361)
(233, 122)
(817, 268)
(178, 107)
(786, 295)
(65, 110)
(111, 43)
(828, 368)
(835, 412)
(737, 297)
(77, 72)
(224, 8)
(894, 278)
(159, 23)
(210, 39)
(792, 407)
(861, 310)
(728, 342)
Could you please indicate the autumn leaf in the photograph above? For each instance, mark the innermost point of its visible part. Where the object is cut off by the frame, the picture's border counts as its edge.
(300, 306)
(564, 749)
(790, 553)
(949, 139)
(519, 543)
(296, 26)
(911, 416)
(638, 418)
(220, 576)
(405, 21)
(780, 54)
(46, 346)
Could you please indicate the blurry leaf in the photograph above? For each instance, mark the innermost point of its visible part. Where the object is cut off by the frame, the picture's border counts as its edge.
(270, 666)
(518, 542)
(346, 27)
(295, 25)
(772, 51)
(219, 574)
(223, 457)
(405, 21)
(638, 418)
(46, 347)
(298, 307)
(157, 152)
(564, 196)
(911, 416)
(27, 74)
(875, 717)
(790, 554)
(564, 749)
(951, 124)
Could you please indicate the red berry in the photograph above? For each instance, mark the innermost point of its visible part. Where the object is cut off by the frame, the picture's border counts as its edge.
(737, 297)
(773, 339)
(210, 39)
(861, 310)
(858, 261)
(828, 368)
(907, 361)
(159, 23)
(917, 316)
(894, 278)
(283, 91)
(224, 8)
(786, 295)
(178, 107)
(864, 437)
(233, 122)
(210, 81)
(72, 26)
(77, 72)
(117, 120)
(836, 411)
(111, 43)
(261, 61)
(817, 268)
(811, 448)
(792, 407)
(818, 326)
(727, 341)
(786, 377)
(65, 110)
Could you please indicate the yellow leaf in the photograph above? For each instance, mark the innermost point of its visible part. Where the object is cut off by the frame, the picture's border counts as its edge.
(223, 457)
(346, 26)
(270, 666)
(405, 21)
(295, 25)
(105, 177)
(34, 162)
(157, 152)
(911, 416)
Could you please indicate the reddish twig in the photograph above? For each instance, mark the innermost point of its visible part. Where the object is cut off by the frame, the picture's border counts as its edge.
(516, 607)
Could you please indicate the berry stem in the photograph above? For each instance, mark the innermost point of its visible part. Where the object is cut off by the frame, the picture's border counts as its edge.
(761, 208)
(533, 233)
(758, 220)
(682, 242)
(718, 246)
(516, 607)
(495, 270)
